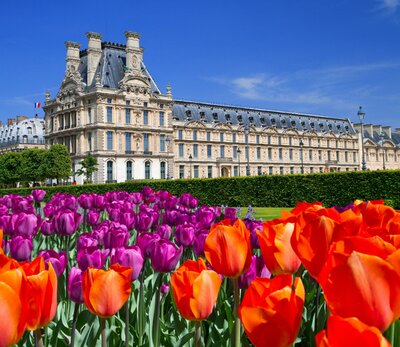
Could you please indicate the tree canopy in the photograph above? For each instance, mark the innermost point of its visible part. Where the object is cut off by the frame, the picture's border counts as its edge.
(89, 165)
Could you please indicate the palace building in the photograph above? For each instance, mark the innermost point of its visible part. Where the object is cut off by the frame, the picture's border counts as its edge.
(110, 105)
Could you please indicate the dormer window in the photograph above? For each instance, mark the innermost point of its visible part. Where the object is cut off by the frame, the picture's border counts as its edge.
(202, 115)
(312, 125)
(188, 114)
(228, 117)
(273, 121)
(240, 118)
(215, 116)
(251, 119)
(293, 122)
(262, 120)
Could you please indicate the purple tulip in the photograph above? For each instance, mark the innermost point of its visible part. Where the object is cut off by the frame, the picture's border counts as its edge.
(5, 224)
(164, 289)
(92, 218)
(85, 201)
(171, 203)
(188, 200)
(182, 218)
(114, 214)
(117, 236)
(75, 285)
(206, 216)
(3, 210)
(49, 210)
(230, 212)
(129, 256)
(149, 195)
(135, 198)
(70, 202)
(86, 240)
(25, 225)
(170, 217)
(21, 248)
(66, 222)
(144, 221)
(165, 231)
(184, 235)
(146, 243)
(198, 244)
(92, 257)
(98, 202)
(257, 269)
(22, 205)
(58, 260)
(165, 256)
(128, 219)
(47, 227)
(38, 194)
(253, 226)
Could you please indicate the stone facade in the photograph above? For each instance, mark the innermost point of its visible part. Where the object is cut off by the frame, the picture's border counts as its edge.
(109, 105)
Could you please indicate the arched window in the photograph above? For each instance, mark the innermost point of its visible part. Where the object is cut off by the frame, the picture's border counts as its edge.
(162, 170)
(25, 139)
(29, 130)
(35, 139)
(147, 170)
(109, 171)
(128, 170)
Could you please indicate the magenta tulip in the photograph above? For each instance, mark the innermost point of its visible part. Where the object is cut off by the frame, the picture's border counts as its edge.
(129, 256)
(165, 256)
(75, 285)
(66, 222)
(184, 235)
(25, 225)
(38, 194)
(21, 248)
(91, 257)
(57, 260)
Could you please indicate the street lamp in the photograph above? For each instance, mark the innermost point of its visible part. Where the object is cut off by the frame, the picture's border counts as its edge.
(361, 115)
(246, 138)
(382, 136)
(301, 155)
(238, 153)
(190, 165)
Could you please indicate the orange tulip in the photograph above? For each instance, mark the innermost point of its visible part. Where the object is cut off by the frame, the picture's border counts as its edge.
(42, 293)
(276, 249)
(349, 332)
(313, 235)
(227, 248)
(361, 279)
(1, 241)
(271, 311)
(106, 291)
(12, 303)
(195, 289)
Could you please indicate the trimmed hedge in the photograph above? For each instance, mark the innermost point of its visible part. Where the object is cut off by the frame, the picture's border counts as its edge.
(339, 188)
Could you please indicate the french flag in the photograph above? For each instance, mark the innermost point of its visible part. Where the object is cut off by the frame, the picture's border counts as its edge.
(37, 104)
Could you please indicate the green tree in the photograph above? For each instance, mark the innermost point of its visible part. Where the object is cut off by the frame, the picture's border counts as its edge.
(57, 163)
(89, 165)
(10, 168)
(32, 165)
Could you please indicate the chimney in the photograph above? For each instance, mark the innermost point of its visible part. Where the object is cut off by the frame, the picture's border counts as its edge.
(1, 123)
(93, 55)
(387, 130)
(134, 52)
(10, 121)
(21, 118)
(73, 59)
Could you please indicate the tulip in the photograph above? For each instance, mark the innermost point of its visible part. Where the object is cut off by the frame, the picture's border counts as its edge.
(86, 240)
(276, 249)
(66, 222)
(58, 260)
(92, 218)
(165, 231)
(85, 201)
(349, 332)
(38, 194)
(271, 310)
(117, 236)
(198, 244)
(144, 221)
(3, 209)
(24, 224)
(230, 213)
(165, 256)
(184, 235)
(130, 256)
(135, 198)
(188, 200)
(42, 290)
(49, 210)
(227, 248)
(21, 248)
(148, 195)
(257, 269)
(146, 243)
(106, 291)
(69, 202)
(128, 219)
(47, 227)
(164, 289)
(5, 224)
(91, 257)
(98, 202)
(195, 289)
(75, 285)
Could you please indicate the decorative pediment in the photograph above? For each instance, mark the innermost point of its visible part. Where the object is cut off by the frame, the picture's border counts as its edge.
(195, 124)
(290, 132)
(224, 126)
(135, 84)
(270, 130)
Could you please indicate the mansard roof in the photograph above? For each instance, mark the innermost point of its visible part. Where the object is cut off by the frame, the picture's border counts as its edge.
(30, 129)
(215, 113)
(111, 67)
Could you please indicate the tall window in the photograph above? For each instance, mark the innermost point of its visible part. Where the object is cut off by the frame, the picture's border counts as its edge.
(222, 151)
(310, 155)
(279, 140)
(128, 170)
(162, 170)
(195, 150)
(181, 171)
(196, 171)
(180, 148)
(128, 142)
(89, 140)
(209, 171)
(194, 135)
(354, 157)
(109, 141)
(208, 136)
(29, 130)
(109, 114)
(180, 134)
(146, 142)
(127, 116)
(290, 141)
(329, 155)
(258, 153)
(319, 155)
(281, 170)
(89, 112)
(346, 157)
(270, 170)
(257, 139)
(147, 170)
(235, 152)
(235, 170)
(162, 143)
(290, 153)
(270, 153)
(234, 137)
(221, 136)
(145, 117)
(269, 139)
(337, 156)
(109, 171)
(209, 151)
(161, 119)
(259, 170)
(280, 154)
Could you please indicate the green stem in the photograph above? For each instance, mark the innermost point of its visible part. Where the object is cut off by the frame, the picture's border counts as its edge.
(316, 307)
(390, 334)
(66, 267)
(127, 324)
(141, 311)
(103, 332)
(156, 318)
(38, 338)
(73, 329)
(236, 332)
(197, 333)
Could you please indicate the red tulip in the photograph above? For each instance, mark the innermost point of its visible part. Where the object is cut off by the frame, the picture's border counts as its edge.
(271, 311)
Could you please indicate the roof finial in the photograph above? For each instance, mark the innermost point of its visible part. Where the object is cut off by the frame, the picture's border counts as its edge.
(169, 90)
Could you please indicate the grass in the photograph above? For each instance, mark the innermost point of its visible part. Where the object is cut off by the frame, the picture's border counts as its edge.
(266, 213)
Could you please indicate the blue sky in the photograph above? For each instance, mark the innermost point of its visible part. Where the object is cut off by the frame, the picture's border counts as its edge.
(315, 56)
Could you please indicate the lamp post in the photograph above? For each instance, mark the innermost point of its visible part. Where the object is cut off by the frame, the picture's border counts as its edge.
(238, 153)
(361, 115)
(246, 138)
(382, 136)
(301, 156)
(190, 165)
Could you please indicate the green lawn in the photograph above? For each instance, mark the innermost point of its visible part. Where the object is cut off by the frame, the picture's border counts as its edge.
(266, 213)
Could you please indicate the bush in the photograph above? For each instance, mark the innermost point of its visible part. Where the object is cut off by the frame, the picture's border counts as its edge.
(339, 188)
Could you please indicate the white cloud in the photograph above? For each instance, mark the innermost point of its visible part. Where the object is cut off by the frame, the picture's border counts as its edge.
(391, 4)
